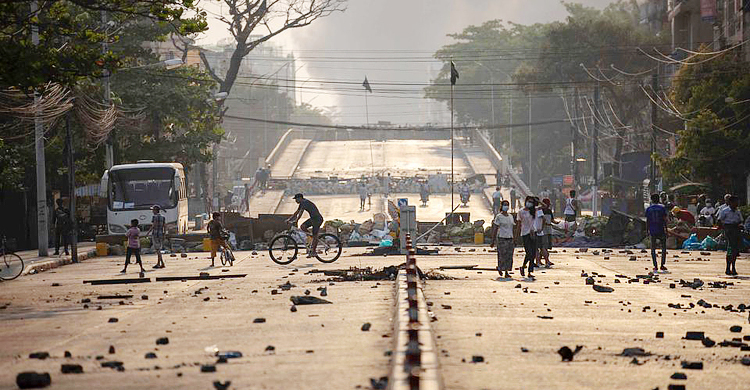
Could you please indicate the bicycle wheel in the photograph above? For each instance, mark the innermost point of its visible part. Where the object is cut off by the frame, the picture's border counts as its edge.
(11, 266)
(329, 248)
(230, 256)
(223, 256)
(283, 249)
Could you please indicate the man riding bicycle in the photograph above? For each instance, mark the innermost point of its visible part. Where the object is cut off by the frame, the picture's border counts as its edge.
(315, 221)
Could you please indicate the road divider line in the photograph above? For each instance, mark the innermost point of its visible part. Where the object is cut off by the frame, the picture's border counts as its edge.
(415, 363)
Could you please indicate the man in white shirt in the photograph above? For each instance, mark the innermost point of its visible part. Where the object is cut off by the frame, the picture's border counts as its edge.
(730, 219)
(497, 198)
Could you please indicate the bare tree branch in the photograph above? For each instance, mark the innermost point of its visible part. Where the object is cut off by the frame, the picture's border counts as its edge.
(210, 71)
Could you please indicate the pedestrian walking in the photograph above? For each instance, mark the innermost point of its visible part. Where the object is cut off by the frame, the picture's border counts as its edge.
(528, 234)
(730, 220)
(246, 199)
(545, 243)
(134, 246)
(656, 219)
(497, 198)
(157, 232)
(424, 193)
(502, 238)
(513, 199)
(572, 207)
(362, 195)
(61, 221)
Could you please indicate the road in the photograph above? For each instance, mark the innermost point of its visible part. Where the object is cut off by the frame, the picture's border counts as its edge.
(322, 346)
(352, 159)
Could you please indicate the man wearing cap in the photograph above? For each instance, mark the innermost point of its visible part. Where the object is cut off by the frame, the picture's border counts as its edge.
(315, 221)
(683, 215)
(158, 226)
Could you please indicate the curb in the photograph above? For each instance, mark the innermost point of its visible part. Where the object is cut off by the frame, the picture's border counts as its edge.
(59, 262)
(415, 363)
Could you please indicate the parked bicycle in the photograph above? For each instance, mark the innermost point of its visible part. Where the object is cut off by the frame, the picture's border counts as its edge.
(286, 245)
(11, 265)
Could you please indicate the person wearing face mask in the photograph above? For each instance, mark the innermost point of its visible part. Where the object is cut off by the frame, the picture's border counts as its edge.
(502, 236)
(528, 234)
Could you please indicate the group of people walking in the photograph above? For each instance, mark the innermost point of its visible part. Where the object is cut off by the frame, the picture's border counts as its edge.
(534, 225)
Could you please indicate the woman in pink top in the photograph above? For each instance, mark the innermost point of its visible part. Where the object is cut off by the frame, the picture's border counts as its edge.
(134, 246)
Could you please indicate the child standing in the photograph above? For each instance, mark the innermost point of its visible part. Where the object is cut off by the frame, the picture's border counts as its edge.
(134, 246)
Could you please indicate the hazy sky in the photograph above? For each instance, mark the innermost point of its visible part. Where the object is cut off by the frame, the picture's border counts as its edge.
(401, 36)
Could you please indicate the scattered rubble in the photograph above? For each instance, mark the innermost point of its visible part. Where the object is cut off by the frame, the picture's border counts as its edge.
(33, 380)
(71, 369)
(567, 354)
(308, 300)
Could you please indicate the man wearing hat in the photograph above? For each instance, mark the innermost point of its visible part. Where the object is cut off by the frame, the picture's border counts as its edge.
(683, 215)
(158, 226)
(315, 221)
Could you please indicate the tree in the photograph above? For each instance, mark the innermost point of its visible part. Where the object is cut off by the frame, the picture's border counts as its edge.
(71, 34)
(180, 117)
(713, 146)
(595, 47)
(252, 22)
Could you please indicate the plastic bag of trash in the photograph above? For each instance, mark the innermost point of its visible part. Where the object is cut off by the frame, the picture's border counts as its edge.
(355, 236)
(379, 234)
(386, 242)
(691, 243)
(709, 244)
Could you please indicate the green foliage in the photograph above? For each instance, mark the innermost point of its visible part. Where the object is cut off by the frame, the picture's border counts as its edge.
(71, 36)
(181, 117)
(713, 147)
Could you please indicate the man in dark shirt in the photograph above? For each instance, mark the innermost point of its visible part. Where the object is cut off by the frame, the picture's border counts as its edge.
(315, 221)
(61, 221)
(656, 218)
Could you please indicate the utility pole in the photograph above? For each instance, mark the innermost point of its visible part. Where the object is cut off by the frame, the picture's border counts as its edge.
(510, 118)
(652, 170)
(71, 190)
(109, 151)
(595, 156)
(574, 141)
(530, 177)
(41, 175)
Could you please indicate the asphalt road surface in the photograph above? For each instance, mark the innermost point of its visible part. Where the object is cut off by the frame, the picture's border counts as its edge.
(323, 346)
(351, 159)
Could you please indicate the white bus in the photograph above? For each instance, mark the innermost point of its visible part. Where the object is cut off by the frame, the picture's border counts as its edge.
(132, 189)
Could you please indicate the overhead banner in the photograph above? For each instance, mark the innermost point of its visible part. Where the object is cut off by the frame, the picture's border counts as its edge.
(708, 10)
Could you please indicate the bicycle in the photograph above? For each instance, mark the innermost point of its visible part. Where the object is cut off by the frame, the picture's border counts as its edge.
(284, 247)
(226, 255)
(11, 265)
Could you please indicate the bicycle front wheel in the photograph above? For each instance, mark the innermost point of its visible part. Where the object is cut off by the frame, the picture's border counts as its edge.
(329, 248)
(283, 249)
(230, 256)
(11, 266)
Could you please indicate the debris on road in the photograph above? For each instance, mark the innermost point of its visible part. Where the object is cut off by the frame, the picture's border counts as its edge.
(39, 355)
(602, 289)
(162, 341)
(208, 368)
(692, 365)
(222, 385)
(71, 369)
(308, 300)
(33, 380)
(637, 351)
(366, 326)
(567, 354)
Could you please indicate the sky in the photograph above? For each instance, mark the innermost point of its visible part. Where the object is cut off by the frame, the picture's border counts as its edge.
(387, 41)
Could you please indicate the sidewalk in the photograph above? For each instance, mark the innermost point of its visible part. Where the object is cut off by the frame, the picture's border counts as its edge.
(33, 263)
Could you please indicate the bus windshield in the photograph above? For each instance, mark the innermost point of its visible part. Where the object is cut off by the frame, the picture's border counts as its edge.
(142, 188)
